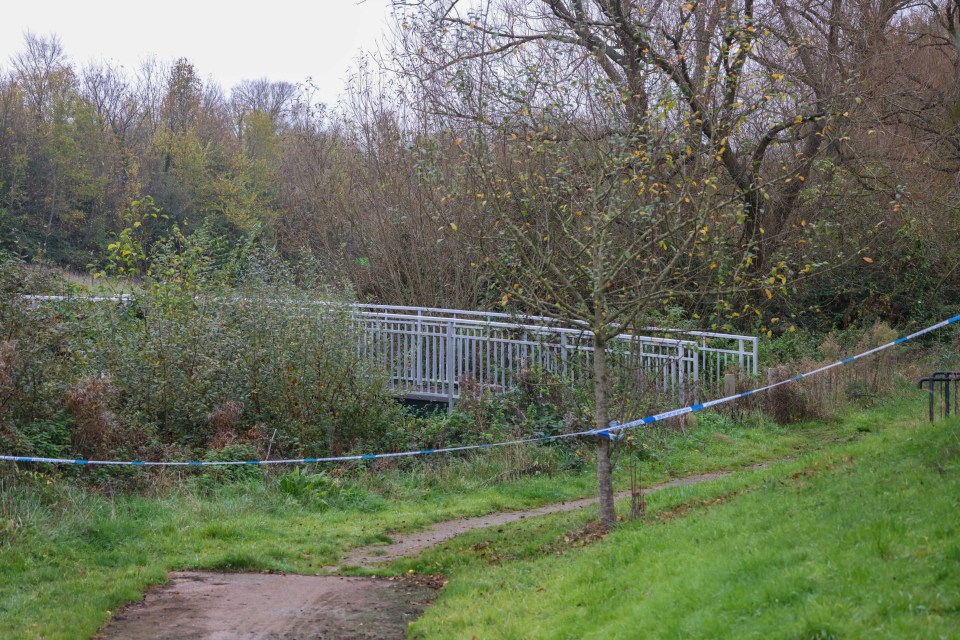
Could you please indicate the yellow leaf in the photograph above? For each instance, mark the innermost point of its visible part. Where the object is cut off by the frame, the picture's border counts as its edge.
(453, 227)
(769, 294)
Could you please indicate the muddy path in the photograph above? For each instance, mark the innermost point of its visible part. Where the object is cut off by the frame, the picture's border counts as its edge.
(258, 606)
(412, 543)
(227, 606)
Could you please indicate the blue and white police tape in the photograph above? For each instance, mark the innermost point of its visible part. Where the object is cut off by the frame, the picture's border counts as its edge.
(613, 431)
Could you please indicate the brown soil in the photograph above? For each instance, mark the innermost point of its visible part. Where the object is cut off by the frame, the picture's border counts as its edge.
(218, 606)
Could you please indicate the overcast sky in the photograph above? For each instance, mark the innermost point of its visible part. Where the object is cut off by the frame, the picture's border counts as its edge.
(230, 41)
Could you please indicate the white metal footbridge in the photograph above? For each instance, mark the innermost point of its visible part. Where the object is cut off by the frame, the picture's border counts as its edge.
(434, 354)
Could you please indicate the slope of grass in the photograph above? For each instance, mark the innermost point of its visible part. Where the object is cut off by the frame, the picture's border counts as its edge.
(70, 557)
(860, 540)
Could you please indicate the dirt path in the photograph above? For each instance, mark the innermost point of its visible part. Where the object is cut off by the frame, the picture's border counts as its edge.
(221, 606)
(218, 606)
(413, 543)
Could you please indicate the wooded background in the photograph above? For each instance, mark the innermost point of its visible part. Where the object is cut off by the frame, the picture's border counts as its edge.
(816, 141)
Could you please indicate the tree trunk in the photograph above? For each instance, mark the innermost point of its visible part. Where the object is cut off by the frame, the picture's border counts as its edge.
(601, 394)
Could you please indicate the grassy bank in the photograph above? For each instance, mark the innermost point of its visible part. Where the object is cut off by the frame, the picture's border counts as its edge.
(70, 557)
(858, 540)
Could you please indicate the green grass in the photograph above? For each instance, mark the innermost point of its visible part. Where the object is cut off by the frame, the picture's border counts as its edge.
(859, 540)
(70, 557)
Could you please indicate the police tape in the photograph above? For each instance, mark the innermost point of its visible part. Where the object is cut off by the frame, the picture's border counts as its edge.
(613, 432)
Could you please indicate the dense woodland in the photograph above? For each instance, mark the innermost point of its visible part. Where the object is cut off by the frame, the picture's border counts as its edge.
(813, 144)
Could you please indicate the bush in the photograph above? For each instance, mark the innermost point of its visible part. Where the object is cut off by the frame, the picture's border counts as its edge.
(209, 355)
(232, 473)
(311, 488)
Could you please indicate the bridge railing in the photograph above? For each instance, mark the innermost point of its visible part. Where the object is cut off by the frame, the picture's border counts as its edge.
(719, 352)
(432, 357)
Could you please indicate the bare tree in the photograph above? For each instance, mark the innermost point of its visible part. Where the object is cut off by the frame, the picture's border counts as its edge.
(768, 85)
(270, 98)
(44, 73)
(109, 92)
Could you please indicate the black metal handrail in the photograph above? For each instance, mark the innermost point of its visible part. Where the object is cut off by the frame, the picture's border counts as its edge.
(943, 380)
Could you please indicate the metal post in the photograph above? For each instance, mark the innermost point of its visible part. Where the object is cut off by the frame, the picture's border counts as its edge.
(682, 373)
(696, 374)
(946, 397)
(451, 342)
(563, 354)
(419, 347)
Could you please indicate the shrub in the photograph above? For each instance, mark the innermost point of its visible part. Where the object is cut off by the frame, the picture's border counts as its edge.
(94, 429)
(212, 352)
(316, 489)
(223, 423)
(219, 474)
